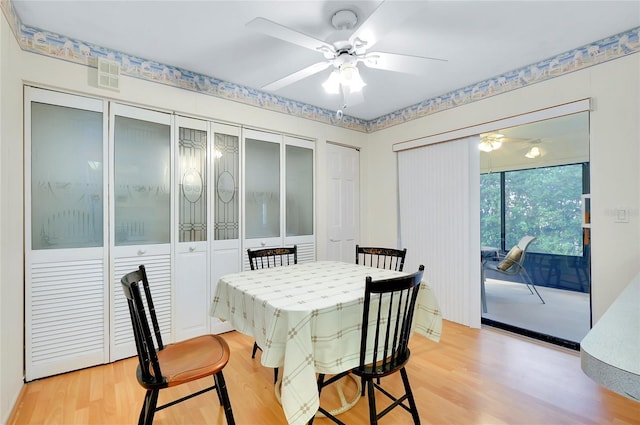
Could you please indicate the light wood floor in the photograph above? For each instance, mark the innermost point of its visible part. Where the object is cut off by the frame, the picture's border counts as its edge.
(471, 377)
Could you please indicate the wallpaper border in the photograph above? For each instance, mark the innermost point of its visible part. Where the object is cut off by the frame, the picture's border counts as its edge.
(61, 47)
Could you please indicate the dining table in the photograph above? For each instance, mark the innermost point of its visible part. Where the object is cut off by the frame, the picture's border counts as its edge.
(307, 319)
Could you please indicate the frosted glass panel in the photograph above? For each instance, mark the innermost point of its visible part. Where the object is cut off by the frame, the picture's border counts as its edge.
(299, 169)
(142, 182)
(262, 205)
(193, 188)
(66, 177)
(227, 169)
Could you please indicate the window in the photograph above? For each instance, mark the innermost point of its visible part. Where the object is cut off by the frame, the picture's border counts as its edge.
(543, 202)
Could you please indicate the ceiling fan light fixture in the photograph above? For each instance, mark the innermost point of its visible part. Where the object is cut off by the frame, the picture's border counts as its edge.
(485, 146)
(332, 85)
(534, 152)
(491, 142)
(489, 145)
(350, 78)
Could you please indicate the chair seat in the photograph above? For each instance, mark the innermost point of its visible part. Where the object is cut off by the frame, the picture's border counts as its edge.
(192, 359)
(493, 265)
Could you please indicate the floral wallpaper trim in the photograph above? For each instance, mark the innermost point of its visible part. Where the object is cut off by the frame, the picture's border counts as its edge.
(60, 47)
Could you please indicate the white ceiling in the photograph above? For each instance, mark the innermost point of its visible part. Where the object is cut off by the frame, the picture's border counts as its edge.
(479, 39)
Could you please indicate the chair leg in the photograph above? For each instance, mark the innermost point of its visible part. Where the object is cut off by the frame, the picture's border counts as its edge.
(530, 282)
(255, 348)
(412, 403)
(215, 381)
(221, 389)
(148, 407)
(373, 416)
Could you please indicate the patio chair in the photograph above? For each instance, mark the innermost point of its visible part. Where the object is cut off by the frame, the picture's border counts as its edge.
(512, 264)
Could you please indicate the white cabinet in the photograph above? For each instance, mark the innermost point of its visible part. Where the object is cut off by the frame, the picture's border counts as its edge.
(278, 193)
(66, 323)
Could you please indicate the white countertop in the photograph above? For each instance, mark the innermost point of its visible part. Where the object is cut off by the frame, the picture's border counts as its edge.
(610, 353)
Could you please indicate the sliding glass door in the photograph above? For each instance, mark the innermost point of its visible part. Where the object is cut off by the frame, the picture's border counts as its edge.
(535, 186)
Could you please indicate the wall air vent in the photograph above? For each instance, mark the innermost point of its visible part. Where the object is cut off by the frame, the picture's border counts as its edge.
(108, 74)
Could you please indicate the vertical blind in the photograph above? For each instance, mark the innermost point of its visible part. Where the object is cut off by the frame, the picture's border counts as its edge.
(439, 200)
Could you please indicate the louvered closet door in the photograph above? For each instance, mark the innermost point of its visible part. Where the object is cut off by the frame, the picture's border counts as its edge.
(299, 199)
(66, 325)
(141, 219)
(263, 199)
(279, 193)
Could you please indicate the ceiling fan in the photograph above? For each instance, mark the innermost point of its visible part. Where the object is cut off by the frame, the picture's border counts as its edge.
(490, 142)
(349, 51)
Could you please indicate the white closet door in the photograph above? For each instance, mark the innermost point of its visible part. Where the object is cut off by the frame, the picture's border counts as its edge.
(226, 253)
(299, 199)
(263, 188)
(141, 220)
(279, 193)
(66, 315)
(191, 276)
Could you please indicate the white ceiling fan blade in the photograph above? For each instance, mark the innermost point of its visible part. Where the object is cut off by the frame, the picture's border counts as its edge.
(289, 35)
(387, 17)
(408, 64)
(297, 76)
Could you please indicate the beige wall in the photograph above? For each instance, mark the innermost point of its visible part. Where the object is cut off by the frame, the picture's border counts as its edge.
(614, 154)
(11, 247)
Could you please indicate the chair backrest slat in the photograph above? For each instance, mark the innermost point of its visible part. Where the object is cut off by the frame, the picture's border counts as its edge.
(145, 346)
(388, 315)
(381, 258)
(272, 257)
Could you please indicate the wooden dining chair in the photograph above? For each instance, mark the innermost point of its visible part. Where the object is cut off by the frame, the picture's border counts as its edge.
(382, 258)
(272, 257)
(266, 258)
(387, 316)
(162, 366)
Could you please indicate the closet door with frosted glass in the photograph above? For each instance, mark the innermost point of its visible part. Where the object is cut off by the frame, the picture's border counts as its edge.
(299, 214)
(66, 290)
(141, 219)
(279, 193)
(191, 276)
(226, 253)
(263, 186)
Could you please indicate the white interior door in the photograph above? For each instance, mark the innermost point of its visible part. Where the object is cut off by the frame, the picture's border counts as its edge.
(343, 165)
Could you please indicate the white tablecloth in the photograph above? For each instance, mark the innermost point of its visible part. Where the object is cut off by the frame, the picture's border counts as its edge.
(306, 318)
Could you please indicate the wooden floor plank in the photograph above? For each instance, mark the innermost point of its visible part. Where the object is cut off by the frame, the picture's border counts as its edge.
(472, 376)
